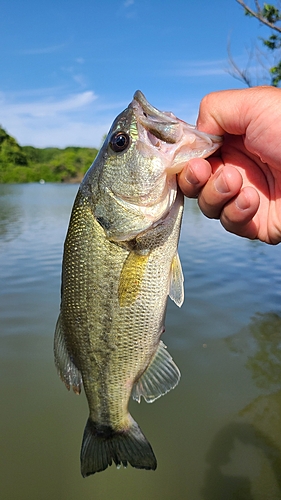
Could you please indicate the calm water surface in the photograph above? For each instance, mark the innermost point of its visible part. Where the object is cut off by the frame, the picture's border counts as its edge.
(217, 436)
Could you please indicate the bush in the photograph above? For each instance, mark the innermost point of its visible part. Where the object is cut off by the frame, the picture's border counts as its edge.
(29, 164)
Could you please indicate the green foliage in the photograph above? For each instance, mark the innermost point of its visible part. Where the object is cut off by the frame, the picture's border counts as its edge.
(269, 15)
(276, 74)
(273, 42)
(29, 164)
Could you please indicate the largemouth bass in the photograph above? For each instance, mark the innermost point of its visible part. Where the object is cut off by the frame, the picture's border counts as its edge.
(120, 264)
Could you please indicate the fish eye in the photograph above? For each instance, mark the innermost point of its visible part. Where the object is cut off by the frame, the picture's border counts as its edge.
(119, 141)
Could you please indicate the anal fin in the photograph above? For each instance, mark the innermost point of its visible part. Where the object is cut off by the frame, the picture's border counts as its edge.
(161, 375)
(67, 370)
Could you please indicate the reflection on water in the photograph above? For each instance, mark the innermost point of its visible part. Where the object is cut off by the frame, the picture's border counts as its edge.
(245, 456)
(265, 364)
(10, 215)
(235, 459)
(216, 436)
(263, 337)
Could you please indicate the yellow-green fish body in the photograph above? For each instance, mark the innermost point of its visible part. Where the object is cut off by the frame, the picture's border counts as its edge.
(120, 264)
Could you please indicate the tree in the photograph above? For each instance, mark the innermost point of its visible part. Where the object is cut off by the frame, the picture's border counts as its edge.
(29, 164)
(268, 15)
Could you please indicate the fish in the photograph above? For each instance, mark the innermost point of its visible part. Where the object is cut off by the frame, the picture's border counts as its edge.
(120, 264)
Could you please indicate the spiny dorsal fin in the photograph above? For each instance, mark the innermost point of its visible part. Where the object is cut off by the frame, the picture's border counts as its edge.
(176, 291)
(131, 278)
(68, 372)
(161, 375)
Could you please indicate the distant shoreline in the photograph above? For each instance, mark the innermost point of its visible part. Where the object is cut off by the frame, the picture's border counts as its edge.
(25, 164)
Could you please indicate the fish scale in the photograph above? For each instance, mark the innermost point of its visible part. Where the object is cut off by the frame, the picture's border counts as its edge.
(120, 264)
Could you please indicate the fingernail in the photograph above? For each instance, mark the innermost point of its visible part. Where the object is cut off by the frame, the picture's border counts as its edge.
(221, 184)
(190, 176)
(242, 201)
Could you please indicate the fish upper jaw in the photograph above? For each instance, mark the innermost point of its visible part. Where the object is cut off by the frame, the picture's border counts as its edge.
(169, 137)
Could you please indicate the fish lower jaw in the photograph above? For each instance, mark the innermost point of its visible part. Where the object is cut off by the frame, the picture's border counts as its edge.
(148, 216)
(159, 210)
(174, 145)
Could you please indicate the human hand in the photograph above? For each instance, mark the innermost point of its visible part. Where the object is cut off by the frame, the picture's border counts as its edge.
(241, 183)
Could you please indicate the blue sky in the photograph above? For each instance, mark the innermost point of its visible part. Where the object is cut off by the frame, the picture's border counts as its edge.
(69, 67)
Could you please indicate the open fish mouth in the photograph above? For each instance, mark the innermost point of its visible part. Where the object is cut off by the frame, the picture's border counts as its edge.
(161, 124)
(175, 138)
(164, 124)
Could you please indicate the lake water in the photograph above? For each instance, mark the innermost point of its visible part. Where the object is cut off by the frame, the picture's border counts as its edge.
(217, 436)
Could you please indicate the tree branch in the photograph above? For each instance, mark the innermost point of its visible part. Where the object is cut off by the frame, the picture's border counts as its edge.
(258, 15)
(240, 74)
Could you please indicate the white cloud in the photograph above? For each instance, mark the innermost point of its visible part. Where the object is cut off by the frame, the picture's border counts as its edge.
(50, 120)
(129, 6)
(63, 134)
(197, 68)
(43, 50)
(80, 79)
(49, 107)
(215, 67)
(75, 75)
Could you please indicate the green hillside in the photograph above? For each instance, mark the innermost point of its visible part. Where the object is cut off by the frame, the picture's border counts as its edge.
(29, 164)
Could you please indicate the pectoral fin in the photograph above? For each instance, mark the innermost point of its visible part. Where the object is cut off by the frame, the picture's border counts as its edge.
(176, 291)
(67, 370)
(160, 377)
(131, 278)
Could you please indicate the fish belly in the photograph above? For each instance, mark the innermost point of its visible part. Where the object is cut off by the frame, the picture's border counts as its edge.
(112, 316)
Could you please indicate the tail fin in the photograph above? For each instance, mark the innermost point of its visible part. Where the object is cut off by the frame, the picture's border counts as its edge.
(101, 445)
